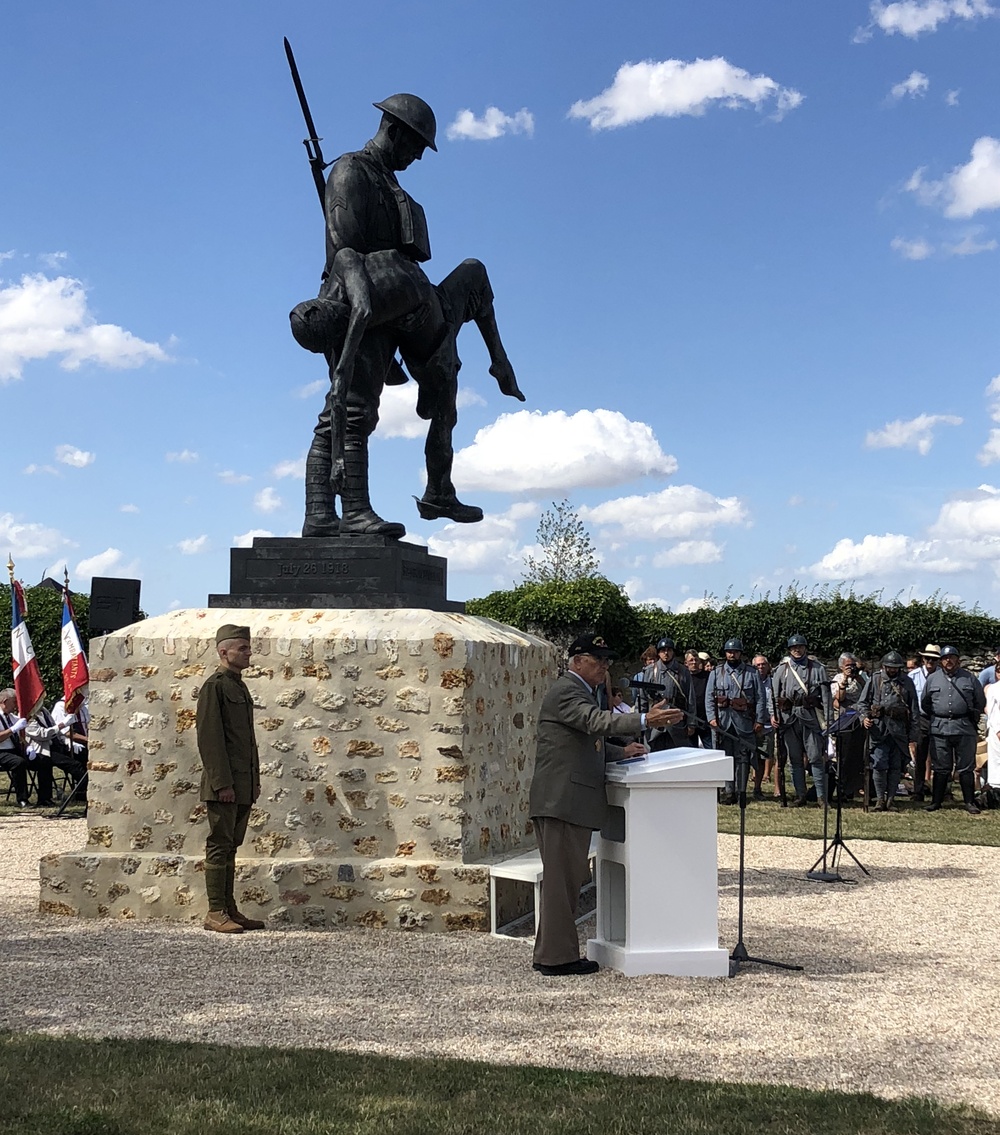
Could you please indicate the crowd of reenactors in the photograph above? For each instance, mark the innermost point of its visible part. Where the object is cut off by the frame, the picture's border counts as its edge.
(856, 733)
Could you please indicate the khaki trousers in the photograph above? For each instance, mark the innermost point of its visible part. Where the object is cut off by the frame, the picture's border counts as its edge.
(565, 852)
(227, 826)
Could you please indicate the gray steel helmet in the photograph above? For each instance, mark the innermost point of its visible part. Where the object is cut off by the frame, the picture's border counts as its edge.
(949, 652)
(665, 644)
(734, 644)
(797, 640)
(894, 659)
(412, 111)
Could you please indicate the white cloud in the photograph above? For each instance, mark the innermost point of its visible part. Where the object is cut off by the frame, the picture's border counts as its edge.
(26, 541)
(311, 388)
(106, 563)
(129, 508)
(528, 451)
(294, 468)
(193, 545)
(676, 512)
(915, 84)
(70, 455)
(247, 538)
(183, 456)
(42, 317)
(689, 552)
(917, 249)
(674, 87)
(491, 546)
(397, 413)
(969, 189)
(951, 98)
(33, 468)
(7, 255)
(689, 606)
(267, 500)
(493, 124)
(231, 477)
(53, 260)
(917, 433)
(912, 18)
(965, 534)
(990, 453)
(969, 245)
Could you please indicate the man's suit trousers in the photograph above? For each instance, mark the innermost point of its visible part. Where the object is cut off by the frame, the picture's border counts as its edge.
(565, 851)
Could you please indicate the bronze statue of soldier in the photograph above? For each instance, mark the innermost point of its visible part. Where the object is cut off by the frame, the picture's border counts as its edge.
(375, 300)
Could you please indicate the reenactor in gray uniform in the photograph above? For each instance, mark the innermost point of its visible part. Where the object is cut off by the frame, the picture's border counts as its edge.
(954, 701)
(230, 780)
(803, 703)
(889, 711)
(735, 701)
(678, 693)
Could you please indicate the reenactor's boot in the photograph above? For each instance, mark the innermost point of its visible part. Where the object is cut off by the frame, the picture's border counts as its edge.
(221, 923)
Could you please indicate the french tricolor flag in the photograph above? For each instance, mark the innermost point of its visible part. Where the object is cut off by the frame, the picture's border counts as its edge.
(74, 661)
(27, 677)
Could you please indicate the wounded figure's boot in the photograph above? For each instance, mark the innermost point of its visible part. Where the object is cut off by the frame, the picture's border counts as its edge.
(321, 510)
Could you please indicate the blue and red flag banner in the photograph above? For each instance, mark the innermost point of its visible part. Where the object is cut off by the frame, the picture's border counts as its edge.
(28, 684)
(75, 673)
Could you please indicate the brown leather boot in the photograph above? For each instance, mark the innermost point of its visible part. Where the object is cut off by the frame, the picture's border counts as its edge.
(221, 923)
(243, 921)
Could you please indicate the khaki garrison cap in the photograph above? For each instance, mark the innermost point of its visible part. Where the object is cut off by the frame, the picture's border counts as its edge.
(230, 630)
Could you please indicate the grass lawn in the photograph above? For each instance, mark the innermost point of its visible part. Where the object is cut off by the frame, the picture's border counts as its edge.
(911, 824)
(66, 1086)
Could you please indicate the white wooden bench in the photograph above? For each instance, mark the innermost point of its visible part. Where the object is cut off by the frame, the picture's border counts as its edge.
(525, 868)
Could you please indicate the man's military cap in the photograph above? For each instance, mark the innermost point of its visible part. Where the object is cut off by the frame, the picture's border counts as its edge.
(949, 652)
(893, 659)
(591, 644)
(734, 644)
(230, 630)
(665, 643)
(797, 640)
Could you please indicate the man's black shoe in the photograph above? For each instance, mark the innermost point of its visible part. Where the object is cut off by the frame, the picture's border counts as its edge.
(933, 807)
(973, 809)
(579, 967)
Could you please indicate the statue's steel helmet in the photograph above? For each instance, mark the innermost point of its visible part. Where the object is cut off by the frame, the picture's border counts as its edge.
(413, 112)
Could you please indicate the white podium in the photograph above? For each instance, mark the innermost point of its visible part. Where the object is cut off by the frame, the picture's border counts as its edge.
(657, 867)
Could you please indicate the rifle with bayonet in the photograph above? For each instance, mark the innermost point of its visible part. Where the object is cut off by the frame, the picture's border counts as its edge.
(312, 143)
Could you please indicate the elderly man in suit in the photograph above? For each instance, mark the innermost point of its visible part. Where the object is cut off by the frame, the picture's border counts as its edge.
(568, 799)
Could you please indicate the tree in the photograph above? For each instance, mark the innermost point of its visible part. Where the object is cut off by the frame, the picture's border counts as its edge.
(567, 551)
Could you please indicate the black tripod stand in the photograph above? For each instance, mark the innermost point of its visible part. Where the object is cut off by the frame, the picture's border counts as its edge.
(740, 955)
(835, 844)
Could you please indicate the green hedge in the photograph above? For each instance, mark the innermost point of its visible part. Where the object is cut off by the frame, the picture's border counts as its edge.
(832, 619)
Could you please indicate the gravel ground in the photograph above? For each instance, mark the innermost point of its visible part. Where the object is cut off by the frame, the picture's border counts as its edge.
(899, 994)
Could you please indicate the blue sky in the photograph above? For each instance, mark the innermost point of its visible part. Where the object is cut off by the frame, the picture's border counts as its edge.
(745, 259)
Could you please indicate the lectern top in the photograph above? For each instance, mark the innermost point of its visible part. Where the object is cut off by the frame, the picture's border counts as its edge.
(674, 766)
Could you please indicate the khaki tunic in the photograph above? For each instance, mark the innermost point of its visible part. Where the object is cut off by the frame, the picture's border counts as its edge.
(226, 741)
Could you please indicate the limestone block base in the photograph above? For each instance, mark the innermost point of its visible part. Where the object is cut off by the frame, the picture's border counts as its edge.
(396, 752)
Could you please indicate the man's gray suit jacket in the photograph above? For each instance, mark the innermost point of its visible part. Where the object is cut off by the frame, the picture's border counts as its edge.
(569, 761)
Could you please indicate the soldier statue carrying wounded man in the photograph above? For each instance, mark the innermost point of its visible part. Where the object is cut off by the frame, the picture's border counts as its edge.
(376, 300)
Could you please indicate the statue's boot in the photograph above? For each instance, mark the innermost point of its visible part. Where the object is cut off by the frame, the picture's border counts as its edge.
(447, 507)
(359, 518)
(321, 512)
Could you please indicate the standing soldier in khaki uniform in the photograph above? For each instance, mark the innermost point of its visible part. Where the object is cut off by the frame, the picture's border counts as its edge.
(230, 782)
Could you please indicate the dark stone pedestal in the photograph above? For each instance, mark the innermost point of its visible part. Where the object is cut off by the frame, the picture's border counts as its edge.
(337, 571)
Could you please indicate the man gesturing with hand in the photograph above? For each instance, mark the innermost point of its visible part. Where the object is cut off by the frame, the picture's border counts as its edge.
(230, 780)
(568, 799)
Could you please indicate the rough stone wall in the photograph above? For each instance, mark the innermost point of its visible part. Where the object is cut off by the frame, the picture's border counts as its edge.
(396, 752)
